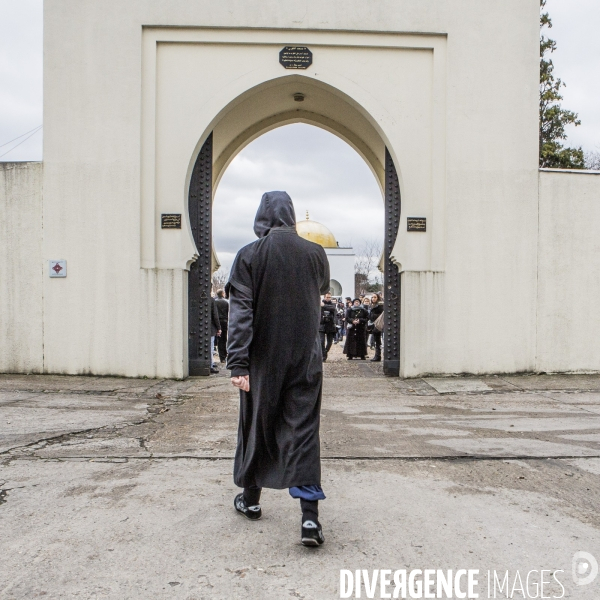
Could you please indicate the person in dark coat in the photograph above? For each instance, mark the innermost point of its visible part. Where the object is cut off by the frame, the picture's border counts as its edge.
(274, 354)
(340, 317)
(327, 328)
(356, 323)
(215, 330)
(366, 304)
(223, 312)
(374, 314)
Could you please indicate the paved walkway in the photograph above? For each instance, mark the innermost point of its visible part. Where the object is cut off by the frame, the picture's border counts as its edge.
(119, 488)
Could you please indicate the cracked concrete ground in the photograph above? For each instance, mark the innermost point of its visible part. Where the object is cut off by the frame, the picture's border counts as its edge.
(117, 488)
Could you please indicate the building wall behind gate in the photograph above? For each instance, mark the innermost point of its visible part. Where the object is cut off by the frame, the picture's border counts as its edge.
(21, 268)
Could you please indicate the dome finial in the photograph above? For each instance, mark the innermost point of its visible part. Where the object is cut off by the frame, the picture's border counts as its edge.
(307, 217)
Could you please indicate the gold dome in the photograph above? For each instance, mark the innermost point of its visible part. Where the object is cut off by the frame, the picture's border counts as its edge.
(315, 232)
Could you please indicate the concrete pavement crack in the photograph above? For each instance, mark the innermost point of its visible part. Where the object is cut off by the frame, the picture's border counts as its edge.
(159, 406)
(517, 388)
(444, 458)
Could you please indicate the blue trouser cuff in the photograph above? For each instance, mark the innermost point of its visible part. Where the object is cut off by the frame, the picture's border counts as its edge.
(308, 492)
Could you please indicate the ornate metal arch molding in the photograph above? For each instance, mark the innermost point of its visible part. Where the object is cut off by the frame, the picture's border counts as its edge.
(391, 337)
(199, 278)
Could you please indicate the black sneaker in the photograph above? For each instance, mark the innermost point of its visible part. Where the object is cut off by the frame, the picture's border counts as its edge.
(214, 370)
(312, 534)
(251, 512)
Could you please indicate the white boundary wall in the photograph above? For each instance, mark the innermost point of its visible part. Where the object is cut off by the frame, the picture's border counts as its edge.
(568, 318)
(21, 268)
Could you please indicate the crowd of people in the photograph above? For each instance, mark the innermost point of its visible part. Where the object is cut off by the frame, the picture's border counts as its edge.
(352, 320)
(355, 320)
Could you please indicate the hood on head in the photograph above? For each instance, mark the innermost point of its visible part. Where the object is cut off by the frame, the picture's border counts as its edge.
(276, 210)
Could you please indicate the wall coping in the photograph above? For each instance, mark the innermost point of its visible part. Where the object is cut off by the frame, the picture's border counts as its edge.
(571, 171)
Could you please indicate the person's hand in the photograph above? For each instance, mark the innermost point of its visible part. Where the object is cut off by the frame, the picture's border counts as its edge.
(242, 382)
(356, 321)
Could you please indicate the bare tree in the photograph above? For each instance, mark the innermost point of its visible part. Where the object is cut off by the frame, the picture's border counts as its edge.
(219, 279)
(365, 266)
(592, 161)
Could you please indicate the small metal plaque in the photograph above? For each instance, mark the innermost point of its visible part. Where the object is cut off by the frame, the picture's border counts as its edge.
(170, 221)
(416, 224)
(295, 57)
(57, 268)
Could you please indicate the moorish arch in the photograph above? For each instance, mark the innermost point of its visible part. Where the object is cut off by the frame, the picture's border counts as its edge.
(275, 103)
(335, 289)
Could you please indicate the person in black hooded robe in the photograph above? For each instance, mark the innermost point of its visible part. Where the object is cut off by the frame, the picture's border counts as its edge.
(274, 354)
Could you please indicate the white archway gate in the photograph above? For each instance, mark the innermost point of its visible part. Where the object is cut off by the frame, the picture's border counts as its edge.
(382, 93)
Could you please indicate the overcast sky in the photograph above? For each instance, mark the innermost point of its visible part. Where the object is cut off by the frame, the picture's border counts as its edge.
(320, 172)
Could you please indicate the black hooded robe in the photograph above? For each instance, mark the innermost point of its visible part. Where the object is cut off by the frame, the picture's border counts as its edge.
(356, 339)
(274, 313)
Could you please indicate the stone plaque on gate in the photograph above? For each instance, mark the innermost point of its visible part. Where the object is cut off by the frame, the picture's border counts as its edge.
(295, 57)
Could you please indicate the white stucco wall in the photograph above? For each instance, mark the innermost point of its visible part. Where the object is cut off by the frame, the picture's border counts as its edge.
(568, 317)
(21, 268)
(464, 141)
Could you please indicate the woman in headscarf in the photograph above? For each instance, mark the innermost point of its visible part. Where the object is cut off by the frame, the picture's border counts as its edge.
(356, 324)
(366, 303)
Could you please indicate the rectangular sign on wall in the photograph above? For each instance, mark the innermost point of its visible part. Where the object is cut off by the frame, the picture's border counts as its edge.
(416, 224)
(170, 221)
